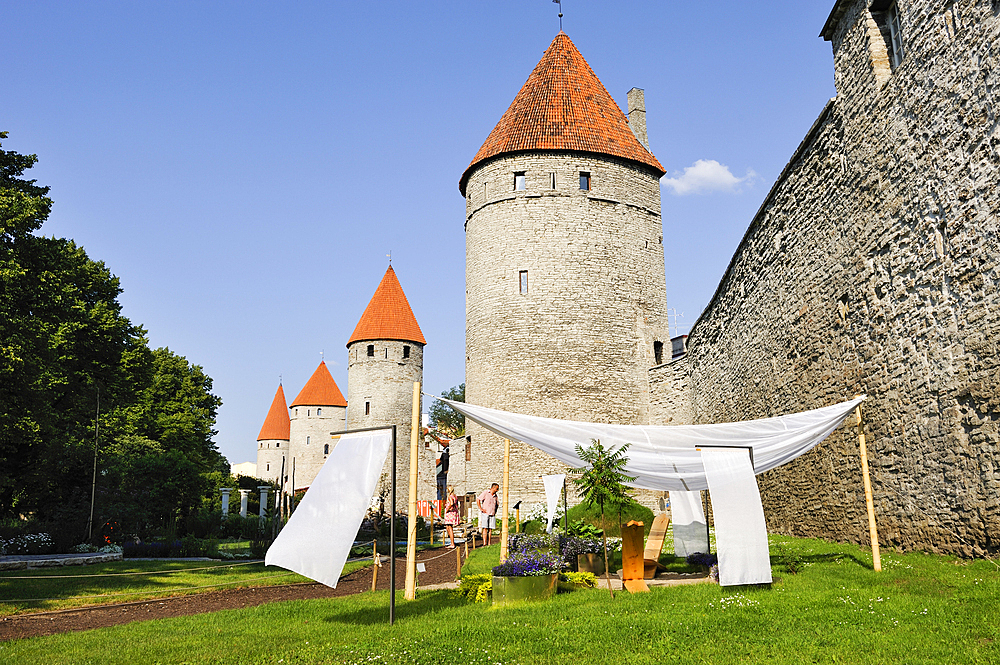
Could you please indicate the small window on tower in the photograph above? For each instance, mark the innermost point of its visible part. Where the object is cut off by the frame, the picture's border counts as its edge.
(387, 352)
(524, 281)
(406, 352)
(319, 412)
(552, 181)
(371, 350)
(278, 444)
(658, 353)
(308, 412)
(486, 192)
(326, 448)
(585, 180)
(368, 408)
(307, 440)
(519, 182)
(268, 467)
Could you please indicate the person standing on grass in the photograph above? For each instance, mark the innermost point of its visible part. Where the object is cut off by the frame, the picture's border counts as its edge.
(451, 515)
(487, 502)
(441, 463)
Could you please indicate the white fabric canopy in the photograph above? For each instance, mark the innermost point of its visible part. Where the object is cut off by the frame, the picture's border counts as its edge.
(667, 457)
(317, 539)
(690, 526)
(553, 486)
(740, 531)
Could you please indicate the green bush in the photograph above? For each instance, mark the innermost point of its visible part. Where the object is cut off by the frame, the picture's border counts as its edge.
(470, 585)
(593, 516)
(586, 580)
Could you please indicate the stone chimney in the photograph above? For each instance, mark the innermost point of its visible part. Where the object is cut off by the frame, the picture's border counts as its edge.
(637, 115)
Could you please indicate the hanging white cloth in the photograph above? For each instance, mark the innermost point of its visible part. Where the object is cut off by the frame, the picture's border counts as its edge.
(318, 538)
(740, 532)
(553, 486)
(690, 526)
(665, 457)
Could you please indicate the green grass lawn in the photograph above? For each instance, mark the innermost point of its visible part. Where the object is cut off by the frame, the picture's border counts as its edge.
(74, 586)
(920, 609)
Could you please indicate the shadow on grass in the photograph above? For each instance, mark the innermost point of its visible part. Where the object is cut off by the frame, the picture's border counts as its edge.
(405, 609)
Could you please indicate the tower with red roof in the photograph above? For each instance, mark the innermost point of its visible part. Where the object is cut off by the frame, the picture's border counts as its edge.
(566, 295)
(385, 356)
(272, 442)
(317, 411)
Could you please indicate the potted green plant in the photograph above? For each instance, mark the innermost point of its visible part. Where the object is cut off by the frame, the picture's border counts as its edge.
(526, 576)
(603, 482)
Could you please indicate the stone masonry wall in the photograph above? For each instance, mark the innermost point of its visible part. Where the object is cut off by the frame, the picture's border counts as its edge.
(384, 382)
(270, 452)
(578, 344)
(872, 267)
(309, 436)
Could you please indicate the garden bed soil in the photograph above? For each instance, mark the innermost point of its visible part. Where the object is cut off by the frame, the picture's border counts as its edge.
(440, 568)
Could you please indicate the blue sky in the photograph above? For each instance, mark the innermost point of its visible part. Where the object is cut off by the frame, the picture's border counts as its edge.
(244, 168)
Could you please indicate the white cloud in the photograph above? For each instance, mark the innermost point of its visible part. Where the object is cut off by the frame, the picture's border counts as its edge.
(706, 175)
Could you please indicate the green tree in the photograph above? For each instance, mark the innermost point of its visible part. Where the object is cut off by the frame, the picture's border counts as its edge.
(445, 419)
(602, 482)
(63, 342)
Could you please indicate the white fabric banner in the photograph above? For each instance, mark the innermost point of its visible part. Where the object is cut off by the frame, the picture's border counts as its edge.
(317, 539)
(740, 531)
(665, 457)
(690, 526)
(553, 487)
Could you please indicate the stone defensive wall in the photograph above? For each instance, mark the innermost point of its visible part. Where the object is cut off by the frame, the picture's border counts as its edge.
(872, 267)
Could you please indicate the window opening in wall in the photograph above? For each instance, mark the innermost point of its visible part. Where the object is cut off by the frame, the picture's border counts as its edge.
(268, 467)
(886, 14)
(486, 191)
(368, 408)
(326, 448)
(296, 412)
(406, 351)
(307, 440)
(585, 180)
(552, 181)
(387, 353)
(658, 353)
(371, 350)
(308, 412)
(524, 281)
(319, 412)
(277, 445)
(519, 181)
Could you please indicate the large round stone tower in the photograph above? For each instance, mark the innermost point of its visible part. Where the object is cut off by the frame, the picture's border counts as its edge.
(385, 356)
(316, 412)
(565, 288)
(272, 442)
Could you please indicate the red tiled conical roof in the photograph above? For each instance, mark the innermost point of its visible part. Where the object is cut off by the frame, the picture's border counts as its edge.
(276, 425)
(320, 390)
(388, 315)
(563, 106)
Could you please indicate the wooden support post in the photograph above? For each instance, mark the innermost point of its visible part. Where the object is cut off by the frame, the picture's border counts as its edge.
(505, 529)
(377, 563)
(432, 523)
(869, 501)
(517, 520)
(458, 562)
(410, 592)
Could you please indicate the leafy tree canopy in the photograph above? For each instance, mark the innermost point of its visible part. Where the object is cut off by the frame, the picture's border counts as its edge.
(445, 419)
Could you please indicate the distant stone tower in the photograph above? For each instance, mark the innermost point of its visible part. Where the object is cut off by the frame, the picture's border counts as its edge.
(317, 411)
(565, 288)
(272, 442)
(385, 355)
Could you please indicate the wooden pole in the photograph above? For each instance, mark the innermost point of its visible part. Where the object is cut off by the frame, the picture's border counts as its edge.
(869, 502)
(432, 524)
(505, 529)
(517, 520)
(376, 564)
(458, 562)
(411, 518)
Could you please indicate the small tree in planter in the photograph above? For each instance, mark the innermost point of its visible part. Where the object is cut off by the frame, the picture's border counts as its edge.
(602, 482)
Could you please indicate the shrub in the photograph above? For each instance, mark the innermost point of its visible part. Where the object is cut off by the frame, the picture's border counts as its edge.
(32, 543)
(586, 580)
(484, 591)
(701, 559)
(468, 586)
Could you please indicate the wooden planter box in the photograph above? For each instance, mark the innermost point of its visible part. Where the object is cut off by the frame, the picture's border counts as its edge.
(513, 590)
(590, 563)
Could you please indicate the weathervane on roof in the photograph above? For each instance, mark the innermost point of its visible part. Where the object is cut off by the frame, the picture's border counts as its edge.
(279, 379)
(390, 256)
(321, 355)
(559, 2)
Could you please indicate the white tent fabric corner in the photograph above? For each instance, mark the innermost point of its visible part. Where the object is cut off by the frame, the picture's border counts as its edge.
(553, 486)
(318, 537)
(690, 525)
